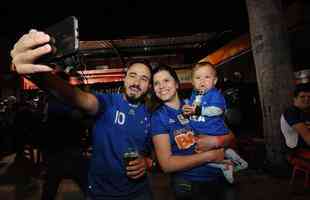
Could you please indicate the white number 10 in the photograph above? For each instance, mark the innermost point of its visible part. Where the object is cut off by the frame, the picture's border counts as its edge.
(119, 118)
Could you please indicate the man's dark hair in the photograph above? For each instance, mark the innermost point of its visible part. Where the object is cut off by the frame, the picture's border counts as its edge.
(301, 87)
(142, 61)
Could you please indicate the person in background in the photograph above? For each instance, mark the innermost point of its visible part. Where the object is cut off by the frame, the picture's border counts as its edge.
(25, 131)
(177, 150)
(205, 110)
(295, 123)
(61, 147)
(122, 120)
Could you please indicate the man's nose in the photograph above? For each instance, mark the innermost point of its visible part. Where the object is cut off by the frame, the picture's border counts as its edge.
(136, 81)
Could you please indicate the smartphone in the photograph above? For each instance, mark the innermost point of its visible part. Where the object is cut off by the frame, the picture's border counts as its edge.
(64, 41)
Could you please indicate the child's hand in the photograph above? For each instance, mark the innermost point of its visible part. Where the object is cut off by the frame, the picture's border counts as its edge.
(188, 110)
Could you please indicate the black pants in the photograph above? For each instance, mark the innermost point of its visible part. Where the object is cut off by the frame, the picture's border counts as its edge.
(64, 165)
(189, 190)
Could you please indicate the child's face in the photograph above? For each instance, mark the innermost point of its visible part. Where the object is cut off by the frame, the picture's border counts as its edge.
(204, 78)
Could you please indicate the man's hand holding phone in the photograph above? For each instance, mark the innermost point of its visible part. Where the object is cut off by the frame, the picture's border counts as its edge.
(27, 50)
(39, 51)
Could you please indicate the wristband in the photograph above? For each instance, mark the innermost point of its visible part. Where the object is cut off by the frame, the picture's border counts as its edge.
(150, 164)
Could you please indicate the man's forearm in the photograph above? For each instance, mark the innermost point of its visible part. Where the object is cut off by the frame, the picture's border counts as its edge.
(52, 83)
(61, 89)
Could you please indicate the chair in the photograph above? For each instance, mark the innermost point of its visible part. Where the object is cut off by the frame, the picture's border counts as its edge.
(300, 161)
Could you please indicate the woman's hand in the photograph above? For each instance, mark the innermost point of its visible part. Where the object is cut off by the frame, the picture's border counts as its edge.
(29, 48)
(206, 143)
(217, 155)
(137, 168)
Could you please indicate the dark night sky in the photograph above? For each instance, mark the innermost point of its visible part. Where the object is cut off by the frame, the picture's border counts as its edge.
(120, 18)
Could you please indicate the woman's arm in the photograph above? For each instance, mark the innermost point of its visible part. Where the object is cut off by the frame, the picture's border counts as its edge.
(206, 142)
(172, 163)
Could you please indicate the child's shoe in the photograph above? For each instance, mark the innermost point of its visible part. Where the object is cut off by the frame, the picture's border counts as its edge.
(239, 163)
(228, 173)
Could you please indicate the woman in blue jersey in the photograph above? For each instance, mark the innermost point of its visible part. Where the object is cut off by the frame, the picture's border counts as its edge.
(176, 147)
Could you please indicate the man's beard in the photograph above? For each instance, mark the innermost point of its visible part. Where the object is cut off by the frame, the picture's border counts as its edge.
(135, 100)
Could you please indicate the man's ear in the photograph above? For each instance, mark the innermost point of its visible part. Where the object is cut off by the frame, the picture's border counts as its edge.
(215, 81)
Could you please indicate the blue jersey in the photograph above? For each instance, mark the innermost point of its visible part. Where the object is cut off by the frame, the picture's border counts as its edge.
(118, 126)
(293, 115)
(166, 120)
(210, 125)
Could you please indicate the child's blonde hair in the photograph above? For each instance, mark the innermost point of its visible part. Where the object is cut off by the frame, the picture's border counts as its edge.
(204, 64)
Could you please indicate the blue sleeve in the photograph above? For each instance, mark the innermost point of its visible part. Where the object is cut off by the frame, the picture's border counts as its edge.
(104, 100)
(157, 125)
(293, 116)
(215, 98)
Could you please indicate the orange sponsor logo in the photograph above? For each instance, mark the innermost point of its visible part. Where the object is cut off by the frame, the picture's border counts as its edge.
(185, 140)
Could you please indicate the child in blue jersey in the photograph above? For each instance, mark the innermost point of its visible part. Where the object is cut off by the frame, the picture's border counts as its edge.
(121, 121)
(205, 109)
